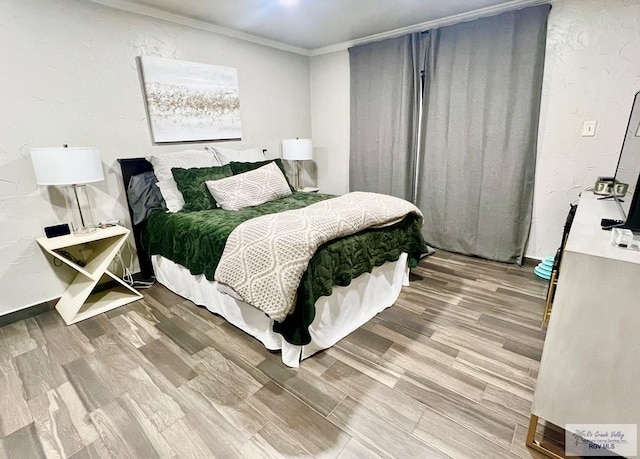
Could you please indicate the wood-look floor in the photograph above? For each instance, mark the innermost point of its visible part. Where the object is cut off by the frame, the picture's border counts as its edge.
(449, 371)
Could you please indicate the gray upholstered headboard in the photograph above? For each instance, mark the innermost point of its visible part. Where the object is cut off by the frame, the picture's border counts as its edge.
(131, 167)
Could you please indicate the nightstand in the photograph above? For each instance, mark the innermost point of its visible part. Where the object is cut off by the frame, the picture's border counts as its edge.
(94, 289)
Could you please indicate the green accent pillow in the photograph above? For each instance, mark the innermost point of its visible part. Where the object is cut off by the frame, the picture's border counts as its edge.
(194, 191)
(239, 168)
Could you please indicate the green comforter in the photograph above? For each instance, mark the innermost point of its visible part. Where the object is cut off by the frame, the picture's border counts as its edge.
(196, 240)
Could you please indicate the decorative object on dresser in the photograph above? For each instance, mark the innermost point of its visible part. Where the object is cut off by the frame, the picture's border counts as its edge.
(72, 168)
(297, 150)
(607, 186)
(187, 101)
(94, 289)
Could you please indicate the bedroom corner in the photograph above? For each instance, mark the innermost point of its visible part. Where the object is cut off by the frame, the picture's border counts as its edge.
(80, 87)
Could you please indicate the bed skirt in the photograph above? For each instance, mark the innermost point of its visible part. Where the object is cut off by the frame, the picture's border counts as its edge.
(337, 315)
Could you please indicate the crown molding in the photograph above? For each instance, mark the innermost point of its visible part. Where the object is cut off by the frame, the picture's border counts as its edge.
(131, 7)
(429, 25)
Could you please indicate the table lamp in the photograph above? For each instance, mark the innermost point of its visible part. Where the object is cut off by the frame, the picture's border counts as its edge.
(297, 150)
(73, 168)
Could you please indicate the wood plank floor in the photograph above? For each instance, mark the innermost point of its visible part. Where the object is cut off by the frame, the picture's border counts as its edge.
(449, 371)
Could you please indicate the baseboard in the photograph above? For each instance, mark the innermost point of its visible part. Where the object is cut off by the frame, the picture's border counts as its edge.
(27, 312)
(533, 260)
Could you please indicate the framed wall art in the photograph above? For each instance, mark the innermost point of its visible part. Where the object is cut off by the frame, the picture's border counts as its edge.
(188, 102)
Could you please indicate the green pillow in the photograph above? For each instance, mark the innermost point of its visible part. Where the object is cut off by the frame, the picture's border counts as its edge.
(239, 168)
(194, 191)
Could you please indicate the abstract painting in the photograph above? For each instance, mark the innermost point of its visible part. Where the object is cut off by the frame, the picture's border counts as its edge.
(187, 101)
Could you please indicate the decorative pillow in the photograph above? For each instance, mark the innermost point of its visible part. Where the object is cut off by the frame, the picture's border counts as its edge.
(144, 196)
(226, 155)
(250, 189)
(240, 168)
(191, 184)
(164, 162)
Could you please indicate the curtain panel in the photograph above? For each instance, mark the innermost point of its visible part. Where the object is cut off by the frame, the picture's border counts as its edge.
(478, 134)
(384, 117)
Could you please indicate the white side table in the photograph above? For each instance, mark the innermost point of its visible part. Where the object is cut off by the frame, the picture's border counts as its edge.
(94, 289)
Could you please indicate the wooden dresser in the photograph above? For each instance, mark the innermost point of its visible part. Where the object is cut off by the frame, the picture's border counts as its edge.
(590, 369)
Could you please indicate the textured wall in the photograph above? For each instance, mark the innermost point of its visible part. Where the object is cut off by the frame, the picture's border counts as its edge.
(330, 120)
(592, 72)
(68, 75)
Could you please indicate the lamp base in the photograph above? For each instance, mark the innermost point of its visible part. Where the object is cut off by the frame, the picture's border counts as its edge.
(79, 208)
(296, 165)
(83, 231)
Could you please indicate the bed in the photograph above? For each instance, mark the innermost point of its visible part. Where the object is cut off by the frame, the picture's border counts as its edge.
(348, 280)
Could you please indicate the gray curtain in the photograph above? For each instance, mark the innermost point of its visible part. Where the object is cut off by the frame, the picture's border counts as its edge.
(478, 134)
(384, 116)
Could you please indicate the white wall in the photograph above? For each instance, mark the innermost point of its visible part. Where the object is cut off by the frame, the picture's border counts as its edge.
(330, 116)
(592, 72)
(68, 75)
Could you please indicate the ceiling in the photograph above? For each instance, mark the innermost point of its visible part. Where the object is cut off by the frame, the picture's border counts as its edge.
(316, 26)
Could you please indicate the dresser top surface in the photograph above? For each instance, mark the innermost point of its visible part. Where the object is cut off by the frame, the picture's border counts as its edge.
(588, 238)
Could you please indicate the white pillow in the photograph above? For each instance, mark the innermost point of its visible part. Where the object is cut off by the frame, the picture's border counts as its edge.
(250, 188)
(226, 155)
(162, 164)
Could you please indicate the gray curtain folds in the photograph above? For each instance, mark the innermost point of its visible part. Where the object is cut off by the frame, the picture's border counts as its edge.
(478, 134)
(383, 117)
(424, 59)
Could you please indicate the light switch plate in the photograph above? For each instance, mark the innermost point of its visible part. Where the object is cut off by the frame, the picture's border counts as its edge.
(589, 128)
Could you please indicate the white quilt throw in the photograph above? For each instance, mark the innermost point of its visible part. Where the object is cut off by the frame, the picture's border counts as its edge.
(265, 257)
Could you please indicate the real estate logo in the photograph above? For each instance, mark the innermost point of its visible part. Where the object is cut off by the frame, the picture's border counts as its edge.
(601, 440)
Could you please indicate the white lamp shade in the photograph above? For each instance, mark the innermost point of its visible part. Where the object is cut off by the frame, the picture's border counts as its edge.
(67, 166)
(297, 149)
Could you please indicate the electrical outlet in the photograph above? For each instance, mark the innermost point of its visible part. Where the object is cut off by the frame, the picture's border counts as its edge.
(589, 128)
